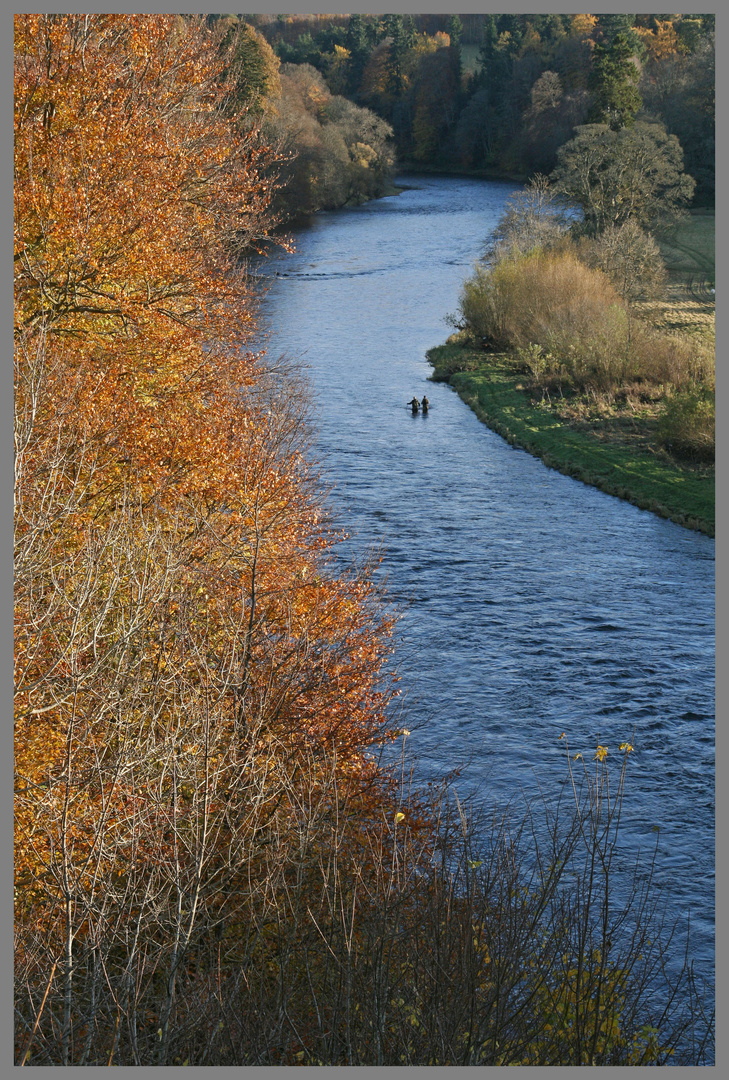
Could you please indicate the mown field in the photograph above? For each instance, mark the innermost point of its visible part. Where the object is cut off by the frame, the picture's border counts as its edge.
(690, 251)
(690, 257)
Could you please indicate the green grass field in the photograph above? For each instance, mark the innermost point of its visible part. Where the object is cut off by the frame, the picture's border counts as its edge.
(689, 254)
(690, 251)
(612, 453)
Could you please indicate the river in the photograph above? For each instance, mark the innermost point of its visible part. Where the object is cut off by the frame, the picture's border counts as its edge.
(532, 603)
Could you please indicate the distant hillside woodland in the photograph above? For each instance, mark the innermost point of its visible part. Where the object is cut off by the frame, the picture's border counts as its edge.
(492, 94)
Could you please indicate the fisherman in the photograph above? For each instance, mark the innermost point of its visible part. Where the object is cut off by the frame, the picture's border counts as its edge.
(426, 403)
(415, 404)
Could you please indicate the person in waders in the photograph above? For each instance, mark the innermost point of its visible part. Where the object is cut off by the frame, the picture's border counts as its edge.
(425, 405)
(415, 404)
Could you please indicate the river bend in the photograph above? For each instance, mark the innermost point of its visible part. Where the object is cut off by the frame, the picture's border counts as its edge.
(533, 604)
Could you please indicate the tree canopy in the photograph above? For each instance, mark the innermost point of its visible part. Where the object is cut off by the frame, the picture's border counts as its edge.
(190, 671)
(634, 172)
(491, 101)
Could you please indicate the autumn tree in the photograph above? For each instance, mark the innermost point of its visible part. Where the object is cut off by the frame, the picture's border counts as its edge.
(336, 152)
(192, 679)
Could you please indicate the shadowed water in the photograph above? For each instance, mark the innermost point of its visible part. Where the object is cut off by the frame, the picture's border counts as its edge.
(533, 604)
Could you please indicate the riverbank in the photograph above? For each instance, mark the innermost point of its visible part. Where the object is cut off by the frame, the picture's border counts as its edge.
(610, 446)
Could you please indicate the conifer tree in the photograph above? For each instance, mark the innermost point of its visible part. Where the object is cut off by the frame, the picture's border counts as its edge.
(455, 32)
(613, 82)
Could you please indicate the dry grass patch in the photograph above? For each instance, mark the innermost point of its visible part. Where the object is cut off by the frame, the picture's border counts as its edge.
(679, 310)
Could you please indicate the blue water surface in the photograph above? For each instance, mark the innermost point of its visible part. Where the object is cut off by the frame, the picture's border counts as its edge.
(531, 603)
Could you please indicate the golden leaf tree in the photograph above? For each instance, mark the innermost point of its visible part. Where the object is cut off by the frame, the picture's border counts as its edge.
(196, 689)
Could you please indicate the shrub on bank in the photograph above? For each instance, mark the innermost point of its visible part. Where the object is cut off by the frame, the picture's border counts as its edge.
(686, 427)
(551, 300)
(568, 319)
(428, 937)
(536, 297)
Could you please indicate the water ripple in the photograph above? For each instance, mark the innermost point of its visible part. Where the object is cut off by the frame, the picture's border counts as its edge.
(533, 604)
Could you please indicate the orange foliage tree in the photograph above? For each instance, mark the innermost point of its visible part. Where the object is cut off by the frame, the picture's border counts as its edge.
(662, 41)
(197, 692)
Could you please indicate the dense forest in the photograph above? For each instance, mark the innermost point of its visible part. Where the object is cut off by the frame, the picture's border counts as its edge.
(215, 862)
(502, 93)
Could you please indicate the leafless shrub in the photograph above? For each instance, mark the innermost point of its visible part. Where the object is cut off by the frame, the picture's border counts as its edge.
(631, 259)
(534, 219)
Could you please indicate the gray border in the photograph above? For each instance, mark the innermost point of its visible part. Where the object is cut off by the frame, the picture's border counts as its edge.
(6, 477)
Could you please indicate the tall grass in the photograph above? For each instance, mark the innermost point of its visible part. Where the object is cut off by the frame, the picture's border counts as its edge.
(566, 324)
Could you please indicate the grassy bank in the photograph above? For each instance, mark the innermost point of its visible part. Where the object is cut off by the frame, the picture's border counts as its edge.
(611, 446)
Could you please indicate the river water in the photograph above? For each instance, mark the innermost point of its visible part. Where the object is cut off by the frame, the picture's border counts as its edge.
(532, 603)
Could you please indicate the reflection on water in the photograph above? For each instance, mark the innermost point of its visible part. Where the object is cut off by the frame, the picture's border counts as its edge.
(533, 604)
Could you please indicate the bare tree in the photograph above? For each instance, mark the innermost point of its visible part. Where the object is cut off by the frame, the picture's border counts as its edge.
(533, 218)
(631, 259)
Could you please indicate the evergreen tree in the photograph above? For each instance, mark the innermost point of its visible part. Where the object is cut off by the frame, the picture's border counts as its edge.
(514, 26)
(613, 82)
(489, 38)
(254, 65)
(409, 31)
(359, 45)
(356, 35)
(609, 26)
(455, 32)
(393, 26)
